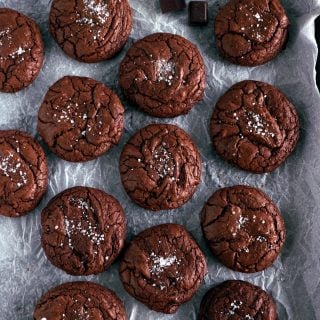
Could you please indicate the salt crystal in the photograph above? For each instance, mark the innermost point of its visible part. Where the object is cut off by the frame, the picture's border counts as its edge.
(159, 263)
(165, 70)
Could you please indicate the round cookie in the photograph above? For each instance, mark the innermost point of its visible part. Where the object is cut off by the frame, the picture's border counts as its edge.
(254, 126)
(80, 118)
(23, 173)
(80, 300)
(163, 267)
(83, 230)
(251, 32)
(237, 300)
(90, 30)
(244, 228)
(160, 167)
(21, 50)
(163, 74)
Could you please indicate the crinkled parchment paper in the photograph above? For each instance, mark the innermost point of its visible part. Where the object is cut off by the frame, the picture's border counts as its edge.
(25, 273)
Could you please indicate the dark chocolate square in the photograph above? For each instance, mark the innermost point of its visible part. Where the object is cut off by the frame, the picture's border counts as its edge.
(198, 13)
(172, 5)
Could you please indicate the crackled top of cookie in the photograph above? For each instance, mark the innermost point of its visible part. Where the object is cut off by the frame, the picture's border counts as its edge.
(237, 300)
(254, 126)
(163, 267)
(90, 30)
(80, 118)
(163, 74)
(83, 230)
(244, 228)
(160, 167)
(21, 50)
(81, 301)
(251, 32)
(23, 173)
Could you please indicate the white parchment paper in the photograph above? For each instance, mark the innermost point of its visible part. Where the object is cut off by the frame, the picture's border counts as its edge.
(294, 280)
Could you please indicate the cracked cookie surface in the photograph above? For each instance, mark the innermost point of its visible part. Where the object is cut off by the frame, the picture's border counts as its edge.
(81, 301)
(83, 230)
(23, 173)
(163, 267)
(254, 126)
(90, 30)
(21, 50)
(160, 167)
(244, 228)
(80, 118)
(163, 74)
(251, 32)
(237, 300)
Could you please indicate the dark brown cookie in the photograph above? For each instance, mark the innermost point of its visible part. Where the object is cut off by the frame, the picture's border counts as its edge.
(160, 167)
(23, 173)
(80, 119)
(79, 301)
(163, 74)
(163, 267)
(90, 30)
(83, 230)
(21, 50)
(237, 300)
(251, 32)
(254, 126)
(244, 228)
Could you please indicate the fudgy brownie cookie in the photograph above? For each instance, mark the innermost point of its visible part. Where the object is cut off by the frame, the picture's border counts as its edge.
(243, 227)
(21, 50)
(237, 300)
(163, 74)
(90, 30)
(83, 230)
(80, 118)
(163, 267)
(251, 32)
(79, 300)
(254, 126)
(160, 167)
(23, 173)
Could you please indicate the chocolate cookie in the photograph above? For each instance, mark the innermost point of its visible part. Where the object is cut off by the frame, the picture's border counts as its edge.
(254, 126)
(251, 32)
(244, 228)
(23, 173)
(163, 267)
(80, 119)
(237, 300)
(80, 300)
(83, 230)
(90, 30)
(160, 167)
(163, 74)
(21, 50)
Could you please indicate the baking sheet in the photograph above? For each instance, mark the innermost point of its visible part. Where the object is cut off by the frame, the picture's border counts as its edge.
(25, 273)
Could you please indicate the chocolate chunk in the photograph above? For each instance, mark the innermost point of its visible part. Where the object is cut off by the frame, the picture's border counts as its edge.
(172, 5)
(198, 13)
(163, 267)
(237, 300)
(80, 301)
(244, 228)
